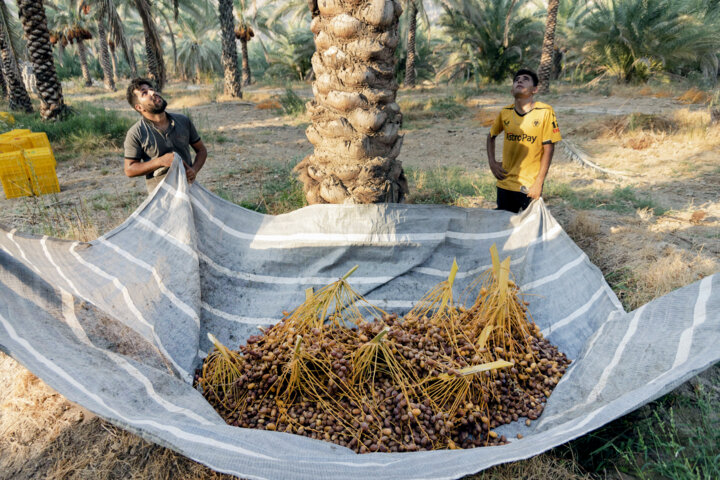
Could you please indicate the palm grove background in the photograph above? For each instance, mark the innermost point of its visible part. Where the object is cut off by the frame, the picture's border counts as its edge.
(479, 41)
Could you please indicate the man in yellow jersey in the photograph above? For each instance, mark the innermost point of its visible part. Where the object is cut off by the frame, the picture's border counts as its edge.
(531, 130)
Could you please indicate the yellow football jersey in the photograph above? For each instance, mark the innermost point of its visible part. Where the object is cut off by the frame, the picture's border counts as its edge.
(523, 145)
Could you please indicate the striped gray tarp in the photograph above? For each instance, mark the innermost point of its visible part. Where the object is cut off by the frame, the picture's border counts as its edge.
(119, 324)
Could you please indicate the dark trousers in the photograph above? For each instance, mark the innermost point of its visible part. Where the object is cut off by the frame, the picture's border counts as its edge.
(511, 201)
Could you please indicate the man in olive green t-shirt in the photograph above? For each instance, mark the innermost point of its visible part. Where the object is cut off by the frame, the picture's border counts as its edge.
(531, 131)
(152, 142)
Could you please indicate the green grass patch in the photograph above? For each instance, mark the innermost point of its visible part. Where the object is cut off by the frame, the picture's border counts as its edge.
(677, 437)
(292, 104)
(88, 129)
(620, 200)
(442, 107)
(449, 186)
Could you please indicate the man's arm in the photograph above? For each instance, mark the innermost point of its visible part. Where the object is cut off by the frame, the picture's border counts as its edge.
(537, 188)
(495, 167)
(135, 168)
(200, 157)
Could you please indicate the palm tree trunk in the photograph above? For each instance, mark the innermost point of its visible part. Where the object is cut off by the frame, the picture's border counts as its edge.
(3, 86)
(19, 99)
(153, 46)
(113, 62)
(355, 119)
(246, 74)
(410, 60)
(105, 63)
(172, 40)
(82, 53)
(32, 16)
(506, 30)
(233, 84)
(61, 52)
(546, 59)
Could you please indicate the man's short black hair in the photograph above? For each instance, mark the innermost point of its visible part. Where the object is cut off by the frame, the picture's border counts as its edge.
(135, 84)
(525, 71)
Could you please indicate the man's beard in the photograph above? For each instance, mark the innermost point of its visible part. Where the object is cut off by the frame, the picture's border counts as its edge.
(158, 108)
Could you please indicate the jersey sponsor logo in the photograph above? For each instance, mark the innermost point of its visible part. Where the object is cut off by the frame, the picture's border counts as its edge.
(520, 137)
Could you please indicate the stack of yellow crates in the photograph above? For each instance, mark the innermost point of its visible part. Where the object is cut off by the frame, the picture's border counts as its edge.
(27, 164)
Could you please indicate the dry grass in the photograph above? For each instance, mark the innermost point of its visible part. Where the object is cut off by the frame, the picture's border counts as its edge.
(695, 96)
(541, 467)
(485, 117)
(636, 259)
(268, 104)
(187, 101)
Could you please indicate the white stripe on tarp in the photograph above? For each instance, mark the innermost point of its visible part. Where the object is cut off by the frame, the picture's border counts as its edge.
(11, 236)
(131, 305)
(593, 340)
(167, 236)
(240, 319)
(569, 319)
(189, 311)
(252, 277)
(699, 317)
(43, 242)
(602, 381)
(559, 273)
(68, 309)
(394, 303)
(172, 430)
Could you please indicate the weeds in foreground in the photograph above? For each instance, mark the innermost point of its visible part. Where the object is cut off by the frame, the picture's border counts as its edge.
(449, 186)
(675, 437)
(621, 200)
(291, 103)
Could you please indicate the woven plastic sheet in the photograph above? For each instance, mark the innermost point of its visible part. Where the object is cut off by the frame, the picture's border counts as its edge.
(119, 324)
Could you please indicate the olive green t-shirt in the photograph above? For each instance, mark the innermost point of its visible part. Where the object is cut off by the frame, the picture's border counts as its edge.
(144, 141)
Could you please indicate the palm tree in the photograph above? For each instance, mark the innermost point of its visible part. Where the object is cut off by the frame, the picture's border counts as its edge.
(69, 26)
(548, 47)
(34, 22)
(103, 10)
(412, 26)
(229, 50)
(476, 30)
(153, 45)
(17, 94)
(198, 43)
(355, 119)
(244, 33)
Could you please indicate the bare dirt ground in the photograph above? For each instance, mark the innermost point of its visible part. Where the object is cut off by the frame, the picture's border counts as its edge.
(651, 230)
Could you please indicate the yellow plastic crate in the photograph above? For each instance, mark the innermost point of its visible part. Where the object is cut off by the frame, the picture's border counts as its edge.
(6, 147)
(22, 141)
(41, 168)
(14, 175)
(18, 132)
(38, 140)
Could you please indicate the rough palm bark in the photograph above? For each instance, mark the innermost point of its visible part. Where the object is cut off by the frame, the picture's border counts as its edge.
(105, 62)
(355, 119)
(233, 86)
(82, 54)
(546, 59)
(18, 98)
(153, 46)
(113, 61)
(3, 86)
(246, 74)
(410, 60)
(34, 22)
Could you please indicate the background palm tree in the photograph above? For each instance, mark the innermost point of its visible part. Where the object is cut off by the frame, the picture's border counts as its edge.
(9, 44)
(548, 47)
(153, 44)
(476, 46)
(245, 33)
(355, 120)
(198, 42)
(70, 26)
(34, 22)
(232, 83)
